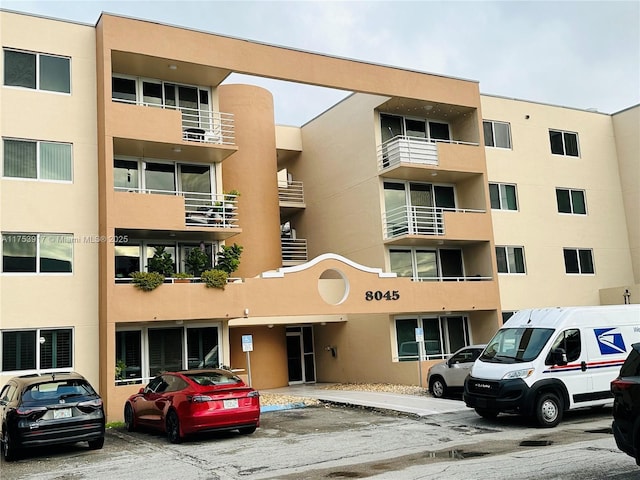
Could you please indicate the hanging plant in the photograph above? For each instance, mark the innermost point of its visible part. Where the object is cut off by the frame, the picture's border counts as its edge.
(147, 281)
(214, 278)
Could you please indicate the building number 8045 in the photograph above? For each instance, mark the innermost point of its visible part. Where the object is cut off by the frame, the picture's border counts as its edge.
(379, 295)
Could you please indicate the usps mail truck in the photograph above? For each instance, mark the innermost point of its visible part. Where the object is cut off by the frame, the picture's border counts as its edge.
(542, 362)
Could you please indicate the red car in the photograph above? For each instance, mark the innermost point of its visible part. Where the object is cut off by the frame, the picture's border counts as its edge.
(193, 401)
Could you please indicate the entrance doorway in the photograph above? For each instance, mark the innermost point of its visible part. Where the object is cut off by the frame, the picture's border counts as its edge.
(301, 360)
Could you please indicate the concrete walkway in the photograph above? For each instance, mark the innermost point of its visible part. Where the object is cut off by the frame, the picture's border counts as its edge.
(414, 404)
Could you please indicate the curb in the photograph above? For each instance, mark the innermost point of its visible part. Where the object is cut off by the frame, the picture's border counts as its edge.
(275, 408)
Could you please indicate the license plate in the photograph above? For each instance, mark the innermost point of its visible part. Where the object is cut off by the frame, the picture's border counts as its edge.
(62, 413)
(230, 403)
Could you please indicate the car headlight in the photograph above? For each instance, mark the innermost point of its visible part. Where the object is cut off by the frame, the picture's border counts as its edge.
(524, 373)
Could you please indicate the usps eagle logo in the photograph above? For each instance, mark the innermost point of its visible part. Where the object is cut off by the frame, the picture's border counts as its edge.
(610, 341)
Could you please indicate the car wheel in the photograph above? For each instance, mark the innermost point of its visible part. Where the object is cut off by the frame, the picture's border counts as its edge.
(247, 430)
(9, 452)
(437, 387)
(548, 410)
(129, 420)
(96, 444)
(173, 427)
(486, 413)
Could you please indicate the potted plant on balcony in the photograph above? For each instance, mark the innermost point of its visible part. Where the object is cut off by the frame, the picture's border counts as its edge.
(197, 261)
(161, 262)
(228, 258)
(182, 277)
(229, 206)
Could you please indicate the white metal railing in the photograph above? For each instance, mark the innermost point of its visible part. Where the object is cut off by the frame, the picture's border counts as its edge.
(414, 220)
(173, 280)
(292, 192)
(294, 251)
(203, 126)
(413, 150)
(473, 278)
(201, 209)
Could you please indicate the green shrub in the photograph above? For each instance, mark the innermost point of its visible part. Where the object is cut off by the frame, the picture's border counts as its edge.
(147, 281)
(214, 278)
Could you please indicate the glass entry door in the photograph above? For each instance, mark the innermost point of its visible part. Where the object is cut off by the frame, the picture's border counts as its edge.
(300, 355)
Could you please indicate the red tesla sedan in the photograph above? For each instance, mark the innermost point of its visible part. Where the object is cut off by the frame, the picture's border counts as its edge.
(193, 401)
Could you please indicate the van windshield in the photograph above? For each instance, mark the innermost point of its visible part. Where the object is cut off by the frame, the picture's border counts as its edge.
(513, 345)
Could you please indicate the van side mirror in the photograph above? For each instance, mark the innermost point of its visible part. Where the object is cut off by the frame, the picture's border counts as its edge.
(559, 356)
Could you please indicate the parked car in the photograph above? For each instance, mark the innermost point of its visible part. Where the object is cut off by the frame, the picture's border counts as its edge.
(57, 408)
(448, 376)
(626, 405)
(194, 401)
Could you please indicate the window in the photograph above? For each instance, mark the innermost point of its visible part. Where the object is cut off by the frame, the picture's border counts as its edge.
(496, 134)
(569, 341)
(578, 261)
(37, 71)
(503, 196)
(510, 259)
(37, 160)
(413, 208)
(423, 264)
(37, 349)
(571, 201)
(395, 125)
(37, 253)
(442, 336)
(564, 143)
(147, 352)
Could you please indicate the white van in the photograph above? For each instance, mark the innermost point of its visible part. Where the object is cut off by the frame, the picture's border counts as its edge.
(545, 361)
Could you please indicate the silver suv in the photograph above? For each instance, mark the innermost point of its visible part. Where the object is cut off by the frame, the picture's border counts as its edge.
(447, 376)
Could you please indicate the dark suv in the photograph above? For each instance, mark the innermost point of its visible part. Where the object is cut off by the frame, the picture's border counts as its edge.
(626, 405)
(40, 410)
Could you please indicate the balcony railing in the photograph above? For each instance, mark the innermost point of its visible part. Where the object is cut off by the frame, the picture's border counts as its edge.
(202, 209)
(473, 278)
(413, 220)
(292, 192)
(294, 251)
(203, 126)
(412, 150)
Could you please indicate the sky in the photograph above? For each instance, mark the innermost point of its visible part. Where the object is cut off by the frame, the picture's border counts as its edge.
(583, 54)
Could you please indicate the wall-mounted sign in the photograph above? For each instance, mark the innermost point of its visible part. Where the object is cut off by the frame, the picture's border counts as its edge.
(380, 295)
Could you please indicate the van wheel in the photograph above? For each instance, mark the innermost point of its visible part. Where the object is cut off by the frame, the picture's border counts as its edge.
(488, 414)
(548, 410)
(437, 387)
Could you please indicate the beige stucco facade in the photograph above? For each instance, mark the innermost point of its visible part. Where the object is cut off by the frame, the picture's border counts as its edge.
(537, 225)
(31, 301)
(370, 221)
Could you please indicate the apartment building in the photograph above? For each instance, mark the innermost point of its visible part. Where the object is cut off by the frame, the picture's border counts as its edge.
(395, 226)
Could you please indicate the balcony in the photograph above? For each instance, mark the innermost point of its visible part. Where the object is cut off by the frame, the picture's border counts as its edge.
(407, 158)
(150, 130)
(146, 209)
(294, 251)
(445, 223)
